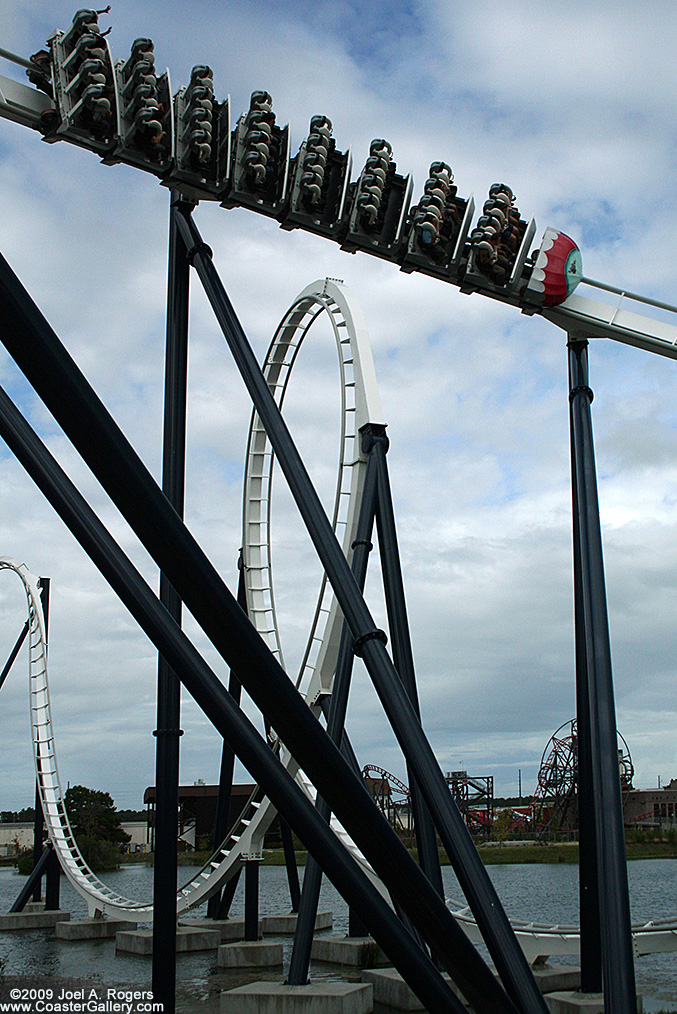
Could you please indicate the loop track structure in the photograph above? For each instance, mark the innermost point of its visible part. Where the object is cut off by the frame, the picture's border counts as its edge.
(360, 405)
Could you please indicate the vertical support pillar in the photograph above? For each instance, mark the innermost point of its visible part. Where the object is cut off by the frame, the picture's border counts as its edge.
(596, 701)
(398, 623)
(39, 822)
(312, 878)
(588, 874)
(53, 871)
(222, 822)
(52, 883)
(251, 899)
(169, 688)
(38, 828)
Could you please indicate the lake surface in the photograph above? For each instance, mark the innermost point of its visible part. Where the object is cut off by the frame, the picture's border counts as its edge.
(544, 893)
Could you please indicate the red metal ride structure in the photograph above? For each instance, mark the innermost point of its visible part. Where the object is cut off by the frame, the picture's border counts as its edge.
(555, 804)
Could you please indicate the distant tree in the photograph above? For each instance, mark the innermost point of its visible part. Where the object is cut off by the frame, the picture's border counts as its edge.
(96, 826)
(502, 827)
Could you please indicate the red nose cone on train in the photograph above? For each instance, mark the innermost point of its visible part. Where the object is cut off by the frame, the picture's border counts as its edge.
(557, 270)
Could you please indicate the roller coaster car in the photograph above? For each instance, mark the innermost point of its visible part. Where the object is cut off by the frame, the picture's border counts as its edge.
(556, 271)
(145, 133)
(438, 226)
(378, 205)
(203, 140)
(260, 158)
(492, 271)
(84, 85)
(320, 176)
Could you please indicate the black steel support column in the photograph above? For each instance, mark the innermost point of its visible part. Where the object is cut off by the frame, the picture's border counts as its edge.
(53, 871)
(359, 815)
(338, 706)
(169, 689)
(251, 900)
(47, 366)
(52, 883)
(511, 964)
(588, 874)
(598, 702)
(403, 657)
(222, 822)
(38, 828)
(39, 820)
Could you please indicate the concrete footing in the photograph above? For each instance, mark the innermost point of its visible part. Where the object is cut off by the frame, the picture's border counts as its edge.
(282, 924)
(228, 929)
(250, 954)
(556, 978)
(92, 929)
(565, 1002)
(391, 990)
(141, 941)
(38, 919)
(315, 998)
(362, 952)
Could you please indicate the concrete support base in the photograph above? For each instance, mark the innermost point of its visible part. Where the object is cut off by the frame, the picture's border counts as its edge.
(362, 952)
(315, 998)
(391, 990)
(281, 924)
(580, 1003)
(141, 941)
(228, 929)
(38, 919)
(556, 978)
(92, 929)
(254, 954)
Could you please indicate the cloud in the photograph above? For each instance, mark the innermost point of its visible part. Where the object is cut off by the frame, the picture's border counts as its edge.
(573, 107)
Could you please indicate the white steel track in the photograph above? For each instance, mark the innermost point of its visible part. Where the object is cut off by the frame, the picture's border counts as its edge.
(360, 404)
(540, 940)
(582, 317)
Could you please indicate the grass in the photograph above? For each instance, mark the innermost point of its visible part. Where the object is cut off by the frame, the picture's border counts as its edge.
(493, 854)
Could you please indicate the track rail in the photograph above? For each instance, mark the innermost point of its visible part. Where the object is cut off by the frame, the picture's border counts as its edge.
(243, 842)
(540, 940)
(360, 404)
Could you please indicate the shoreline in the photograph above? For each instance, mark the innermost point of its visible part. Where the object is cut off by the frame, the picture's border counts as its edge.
(491, 853)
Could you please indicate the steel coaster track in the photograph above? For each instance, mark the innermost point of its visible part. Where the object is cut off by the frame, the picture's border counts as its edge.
(653, 936)
(236, 848)
(360, 404)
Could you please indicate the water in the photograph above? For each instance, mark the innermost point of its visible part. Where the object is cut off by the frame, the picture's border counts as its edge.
(544, 893)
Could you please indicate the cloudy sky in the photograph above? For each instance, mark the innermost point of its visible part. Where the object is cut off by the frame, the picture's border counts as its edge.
(573, 106)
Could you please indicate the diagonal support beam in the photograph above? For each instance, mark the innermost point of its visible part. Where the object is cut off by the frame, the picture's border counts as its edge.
(215, 701)
(475, 882)
(47, 365)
